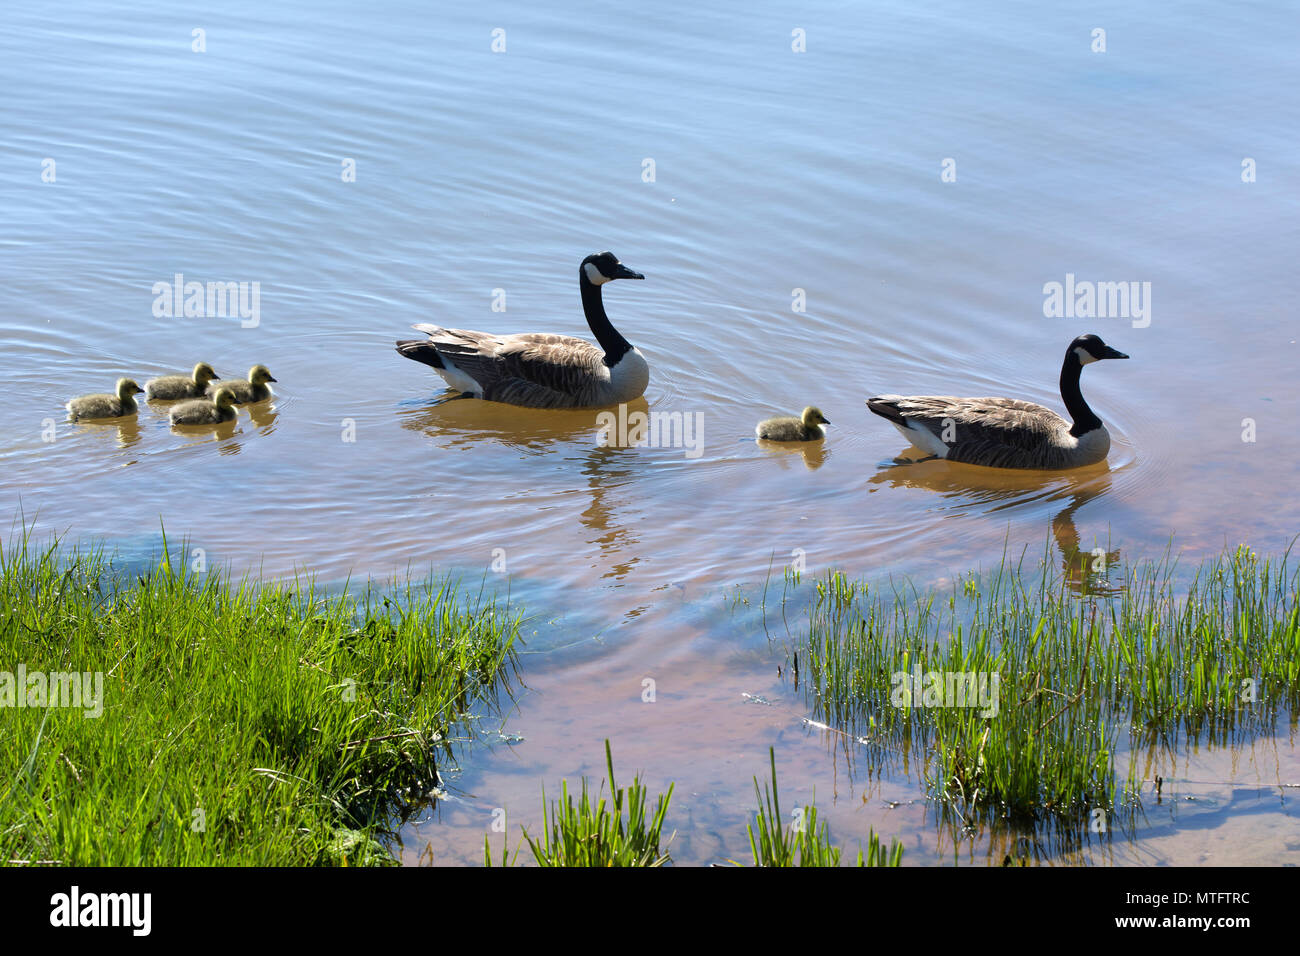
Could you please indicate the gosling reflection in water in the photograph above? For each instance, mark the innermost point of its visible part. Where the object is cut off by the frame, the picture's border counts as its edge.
(222, 434)
(262, 415)
(813, 453)
(125, 431)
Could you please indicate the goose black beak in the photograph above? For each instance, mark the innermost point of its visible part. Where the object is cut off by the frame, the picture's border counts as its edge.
(269, 379)
(623, 272)
(1111, 353)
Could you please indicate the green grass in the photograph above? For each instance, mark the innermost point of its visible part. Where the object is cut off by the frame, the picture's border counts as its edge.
(772, 843)
(593, 832)
(590, 833)
(1078, 673)
(241, 724)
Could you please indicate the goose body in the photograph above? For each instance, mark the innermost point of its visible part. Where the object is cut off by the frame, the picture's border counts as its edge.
(106, 406)
(1005, 432)
(252, 389)
(807, 427)
(202, 411)
(542, 370)
(168, 388)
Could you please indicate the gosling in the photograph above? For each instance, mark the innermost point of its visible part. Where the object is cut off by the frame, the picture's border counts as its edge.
(168, 388)
(107, 406)
(253, 389)
(807, 427)
(202, 411)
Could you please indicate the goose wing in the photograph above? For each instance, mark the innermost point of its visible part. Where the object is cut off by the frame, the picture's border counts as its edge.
(465, 340)
(538, 369)
(1002, 432)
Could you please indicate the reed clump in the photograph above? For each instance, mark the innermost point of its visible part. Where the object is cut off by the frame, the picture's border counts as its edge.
(774, 843)
(596, 831)
(1014, 692)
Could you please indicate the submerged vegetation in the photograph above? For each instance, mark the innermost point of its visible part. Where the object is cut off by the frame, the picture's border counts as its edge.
(215, 721)
(589, 833)
(804, 843)
(1016, 692)
(594, 833)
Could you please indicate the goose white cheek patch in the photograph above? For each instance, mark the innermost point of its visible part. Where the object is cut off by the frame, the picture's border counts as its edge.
(1084, 356)
(593, 275)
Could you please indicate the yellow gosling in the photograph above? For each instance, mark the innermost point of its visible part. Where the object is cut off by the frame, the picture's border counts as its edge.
(106, 406)
(168, 388)
(202, 411)
(253, 389)
(807, 427)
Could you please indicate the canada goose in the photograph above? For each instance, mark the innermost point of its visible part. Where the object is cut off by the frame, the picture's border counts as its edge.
(252, 389)
(201, 411)
(808, 427)
(540, 370)
(1004, 432)
(106, 406)
(170, 387)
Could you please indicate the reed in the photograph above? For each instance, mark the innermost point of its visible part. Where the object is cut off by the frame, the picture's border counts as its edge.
(805, 843)
(1014, 692)
(594, 832)
(590, 833)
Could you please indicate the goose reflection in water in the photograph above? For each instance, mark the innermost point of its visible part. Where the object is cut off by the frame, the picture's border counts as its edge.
(1086, 572)
(608, 470)
(607, 466)
(466, 423)
(968, 488)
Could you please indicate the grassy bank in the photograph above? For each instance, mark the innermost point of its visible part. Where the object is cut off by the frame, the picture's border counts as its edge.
(1014, 693)
(237, 723)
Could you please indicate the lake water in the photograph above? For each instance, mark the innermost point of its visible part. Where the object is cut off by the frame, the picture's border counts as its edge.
(879, 212)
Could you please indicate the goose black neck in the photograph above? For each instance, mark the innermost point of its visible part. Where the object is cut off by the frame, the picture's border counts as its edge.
(1084, 418)
(615, 345)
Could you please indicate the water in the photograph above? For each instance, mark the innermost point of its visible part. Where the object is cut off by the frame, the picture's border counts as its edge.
(774, 171)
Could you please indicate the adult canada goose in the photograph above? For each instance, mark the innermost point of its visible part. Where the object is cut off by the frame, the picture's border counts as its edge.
(170, 387)
(203, 411)
(252, 389)
(808, 427)
(106, 406)
(540, 370)
(1004, 432)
